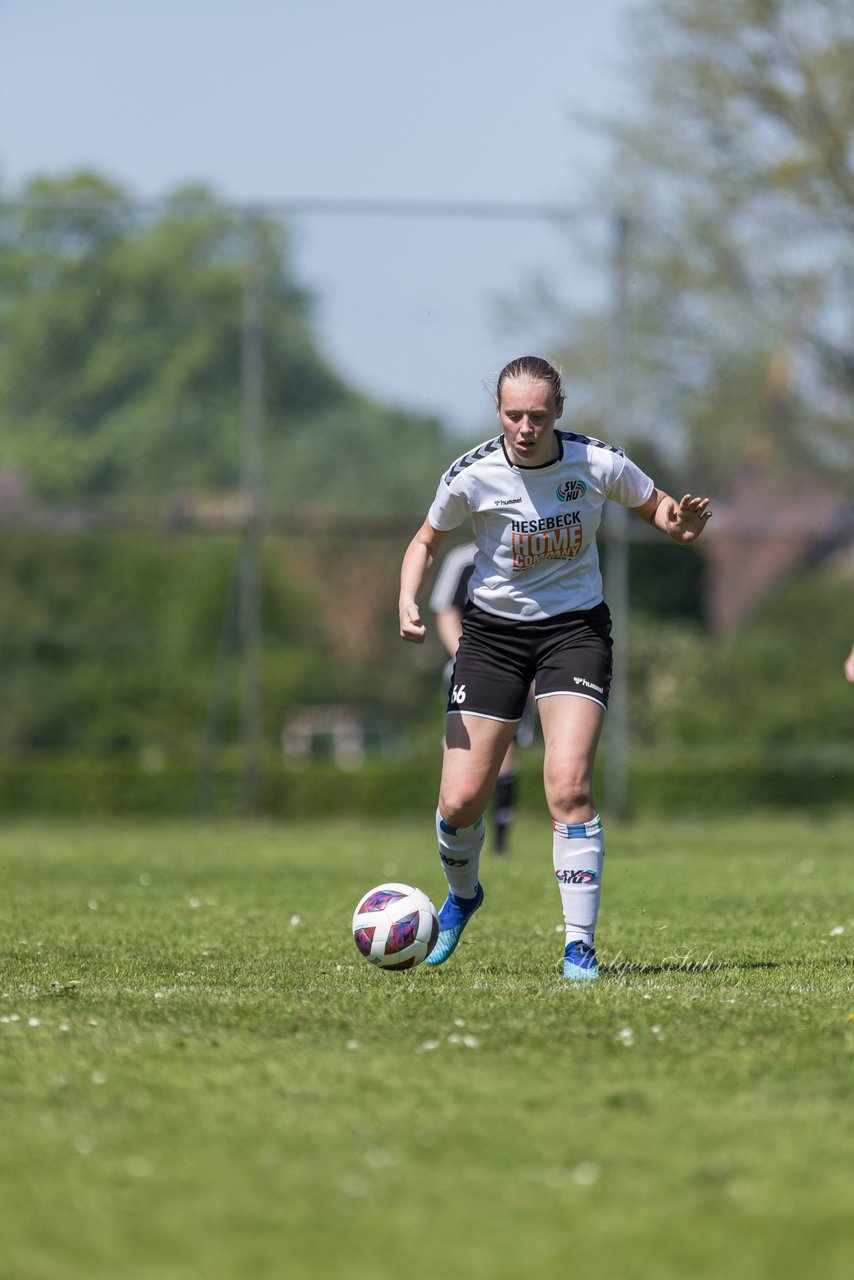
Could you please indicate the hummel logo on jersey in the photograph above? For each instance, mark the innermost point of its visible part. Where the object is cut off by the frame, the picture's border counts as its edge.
(587, 684)
(579, 439)
(507, 502)
(475, 455)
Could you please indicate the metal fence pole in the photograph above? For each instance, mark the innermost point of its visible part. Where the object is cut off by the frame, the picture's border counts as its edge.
(617, 546)
(249, 580)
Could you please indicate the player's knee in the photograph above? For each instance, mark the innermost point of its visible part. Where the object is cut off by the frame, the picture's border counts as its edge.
(570, 799)
(459, 807)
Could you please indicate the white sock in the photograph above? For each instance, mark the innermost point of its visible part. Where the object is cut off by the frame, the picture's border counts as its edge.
(459, 849)
(579, 851)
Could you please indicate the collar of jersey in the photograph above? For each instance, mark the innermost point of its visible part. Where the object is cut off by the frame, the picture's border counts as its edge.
(540, 465)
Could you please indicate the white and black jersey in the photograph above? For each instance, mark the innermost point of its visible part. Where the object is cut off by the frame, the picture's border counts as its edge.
(535, 527)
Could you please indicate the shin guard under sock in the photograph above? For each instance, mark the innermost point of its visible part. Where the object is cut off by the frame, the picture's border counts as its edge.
(459, 849)
(579, 851)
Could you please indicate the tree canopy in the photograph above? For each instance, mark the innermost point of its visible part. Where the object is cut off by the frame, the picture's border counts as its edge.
(120, 359)
(736, 161)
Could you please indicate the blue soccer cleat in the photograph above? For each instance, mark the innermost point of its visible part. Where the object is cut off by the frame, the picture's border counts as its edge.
(453, 918)
(579, 962)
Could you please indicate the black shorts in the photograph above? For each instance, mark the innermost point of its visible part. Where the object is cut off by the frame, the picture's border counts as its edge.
(499, 658)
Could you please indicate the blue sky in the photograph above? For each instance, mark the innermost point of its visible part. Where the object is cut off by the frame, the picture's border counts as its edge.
(458, 100)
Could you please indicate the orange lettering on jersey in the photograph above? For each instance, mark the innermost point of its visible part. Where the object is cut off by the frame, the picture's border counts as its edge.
(554, 544)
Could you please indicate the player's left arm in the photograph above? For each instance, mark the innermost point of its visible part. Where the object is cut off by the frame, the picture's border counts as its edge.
(682, 521)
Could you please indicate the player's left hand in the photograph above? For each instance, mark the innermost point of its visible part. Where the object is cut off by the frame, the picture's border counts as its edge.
(686, 520)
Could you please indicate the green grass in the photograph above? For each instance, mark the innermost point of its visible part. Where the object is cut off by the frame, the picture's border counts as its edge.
(202, 1080)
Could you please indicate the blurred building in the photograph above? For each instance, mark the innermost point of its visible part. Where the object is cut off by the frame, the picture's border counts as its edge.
(769, 527)
(344, 732)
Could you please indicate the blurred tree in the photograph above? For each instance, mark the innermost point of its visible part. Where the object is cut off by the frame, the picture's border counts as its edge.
(749, 690)
(120, 354)
(742, 151)
(737, 162)
(116, 642)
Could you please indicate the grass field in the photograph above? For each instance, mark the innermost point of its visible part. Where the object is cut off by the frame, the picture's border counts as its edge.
(202, 1080)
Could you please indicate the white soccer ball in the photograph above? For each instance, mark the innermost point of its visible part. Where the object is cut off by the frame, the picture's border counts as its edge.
(395, 926)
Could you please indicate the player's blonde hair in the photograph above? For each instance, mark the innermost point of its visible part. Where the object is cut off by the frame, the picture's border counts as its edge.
(532, 369)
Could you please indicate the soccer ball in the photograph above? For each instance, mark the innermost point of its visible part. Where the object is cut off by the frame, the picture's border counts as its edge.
(395, 926)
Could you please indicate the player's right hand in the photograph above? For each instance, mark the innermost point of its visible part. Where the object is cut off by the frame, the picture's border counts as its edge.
(411, 626)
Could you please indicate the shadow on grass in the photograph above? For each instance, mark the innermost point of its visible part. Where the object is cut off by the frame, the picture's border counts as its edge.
(629, 968)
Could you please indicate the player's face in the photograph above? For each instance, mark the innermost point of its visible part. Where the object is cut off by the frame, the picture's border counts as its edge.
(527, 414)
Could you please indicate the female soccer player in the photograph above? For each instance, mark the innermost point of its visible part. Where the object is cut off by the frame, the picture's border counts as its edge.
(535, 615)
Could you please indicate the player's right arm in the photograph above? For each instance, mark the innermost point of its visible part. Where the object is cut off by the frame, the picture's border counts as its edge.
(418, 558)
(849, 666)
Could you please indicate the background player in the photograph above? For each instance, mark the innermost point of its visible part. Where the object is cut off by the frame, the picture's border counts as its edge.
(448, 601)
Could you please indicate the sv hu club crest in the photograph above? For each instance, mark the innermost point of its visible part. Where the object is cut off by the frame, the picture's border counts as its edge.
(571, 490)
